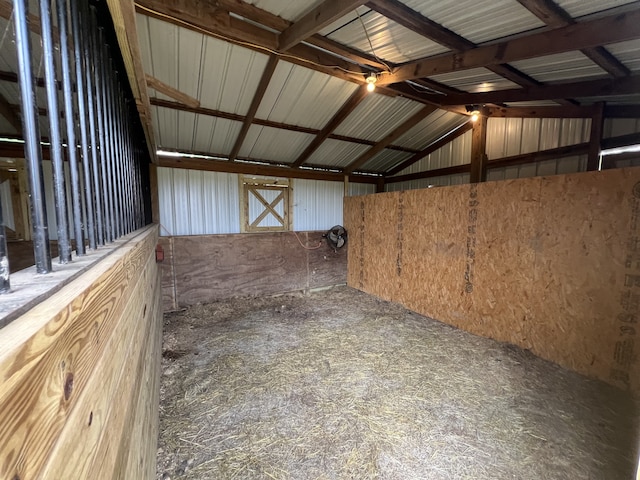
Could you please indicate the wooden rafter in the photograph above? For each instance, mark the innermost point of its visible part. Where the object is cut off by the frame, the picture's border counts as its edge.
(589, 88)
(407, 125)
(346, 109)
(611, 29)
(555, 16)
(448, 138)
(268, 123)
(171, 92)
(314, 21)
(255, 104)
(124, 22)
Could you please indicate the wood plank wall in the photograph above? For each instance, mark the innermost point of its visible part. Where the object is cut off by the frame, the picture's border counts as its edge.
(80, 374)
(551, 264)
(206, 268)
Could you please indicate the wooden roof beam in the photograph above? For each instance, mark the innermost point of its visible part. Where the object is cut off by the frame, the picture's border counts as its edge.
(390, 138)
(171, 92)
(611, 29)
(405, 16)
(268, 123)
(346, 109)
(555, 16)
(255, 104)
(314, 21)
(588, 88)
(448, 138)
(258, 169)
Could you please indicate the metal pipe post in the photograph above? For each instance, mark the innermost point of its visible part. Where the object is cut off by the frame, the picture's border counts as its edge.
(59, 189)
(31, 129)
(83, 93)
(67, 89)
(5, 282)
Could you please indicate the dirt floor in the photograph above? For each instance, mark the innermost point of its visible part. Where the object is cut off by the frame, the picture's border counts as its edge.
(341, 385)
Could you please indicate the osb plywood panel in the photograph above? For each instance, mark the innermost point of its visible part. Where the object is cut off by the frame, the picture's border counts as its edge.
(212, 267)
(551, 264)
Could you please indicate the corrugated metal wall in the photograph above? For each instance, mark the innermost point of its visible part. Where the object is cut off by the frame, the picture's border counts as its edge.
(194, 202)
(515, 136)
(448, 180)
(317, 205)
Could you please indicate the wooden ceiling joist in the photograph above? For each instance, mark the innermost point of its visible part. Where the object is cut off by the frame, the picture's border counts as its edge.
(611, 29)
(255, 104)
(268, 123)
(259, 169)
(555, 16)
(314, 21)
(407, 125)
(346, 109)
(589, 88)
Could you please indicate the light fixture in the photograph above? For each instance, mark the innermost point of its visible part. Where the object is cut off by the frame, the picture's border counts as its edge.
(474, 111)
(371, 82)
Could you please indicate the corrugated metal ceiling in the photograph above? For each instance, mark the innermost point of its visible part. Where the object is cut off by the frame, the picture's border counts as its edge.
(563, 66)
(225, 77)
(376, 116)
(579, 8)
(300, 96)
(474, 80)
(430, 129)
(390, 41)
(478, 21)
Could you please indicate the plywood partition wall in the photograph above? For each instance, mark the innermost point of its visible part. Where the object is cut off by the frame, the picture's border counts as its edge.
(551, 264)
(80, 374)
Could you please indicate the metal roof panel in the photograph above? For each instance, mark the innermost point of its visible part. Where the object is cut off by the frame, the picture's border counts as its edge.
(562, 66)
(336, 153)
(376, 116)
(478, 21)
(474, 80)
(286, 8)
(300, 96)
(390, 41)
(430, 129)
(273, 144)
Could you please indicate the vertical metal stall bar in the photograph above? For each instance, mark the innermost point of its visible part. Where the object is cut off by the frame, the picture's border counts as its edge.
(126, 201)
(83, 99)
(116, 158)
(57, 161)
(139, 189)
(128, 168)
(91, 91)
(67, 90)
(113, 159)
(100, 124)
(32, 149)
(5, 281)
(108, 121)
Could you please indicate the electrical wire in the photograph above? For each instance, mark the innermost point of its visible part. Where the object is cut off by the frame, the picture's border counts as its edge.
(245, 43)
(373, 51)
(305, 247)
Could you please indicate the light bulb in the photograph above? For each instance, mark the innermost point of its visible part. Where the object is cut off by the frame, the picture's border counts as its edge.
(474, 117)
(371, 82)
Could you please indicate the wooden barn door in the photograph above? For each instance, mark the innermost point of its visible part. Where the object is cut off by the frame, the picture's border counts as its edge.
(265, 205)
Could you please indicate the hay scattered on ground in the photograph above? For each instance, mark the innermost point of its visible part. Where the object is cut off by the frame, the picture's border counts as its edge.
(340, 385)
